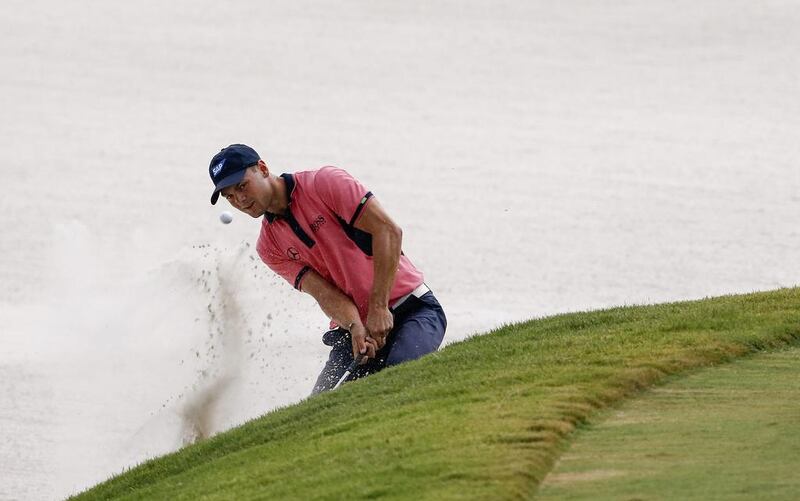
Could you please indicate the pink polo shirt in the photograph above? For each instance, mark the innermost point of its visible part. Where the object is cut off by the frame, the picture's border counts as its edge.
(318, 233)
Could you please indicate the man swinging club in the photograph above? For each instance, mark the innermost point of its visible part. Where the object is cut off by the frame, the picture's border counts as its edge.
(328, 236)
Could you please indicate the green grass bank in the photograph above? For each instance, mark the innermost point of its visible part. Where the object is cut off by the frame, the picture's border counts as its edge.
(484, 418)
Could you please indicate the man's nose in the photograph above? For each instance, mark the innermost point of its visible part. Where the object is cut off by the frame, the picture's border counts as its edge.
(239, 196)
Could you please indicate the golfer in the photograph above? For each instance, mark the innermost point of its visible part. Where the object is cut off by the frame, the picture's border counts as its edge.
(327, 235)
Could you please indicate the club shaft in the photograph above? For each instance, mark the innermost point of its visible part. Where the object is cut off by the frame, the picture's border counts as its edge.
(348, 371)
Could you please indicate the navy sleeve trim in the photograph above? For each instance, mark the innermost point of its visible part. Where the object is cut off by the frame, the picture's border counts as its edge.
(300, 276)
(361, 205)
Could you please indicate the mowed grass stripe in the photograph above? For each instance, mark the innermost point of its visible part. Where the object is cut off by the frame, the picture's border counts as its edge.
(728, 432)
(482, 419)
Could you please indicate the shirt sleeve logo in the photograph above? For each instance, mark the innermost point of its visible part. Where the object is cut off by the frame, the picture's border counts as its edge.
(293, 253)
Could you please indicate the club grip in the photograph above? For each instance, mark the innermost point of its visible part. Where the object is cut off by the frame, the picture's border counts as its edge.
(355, 363)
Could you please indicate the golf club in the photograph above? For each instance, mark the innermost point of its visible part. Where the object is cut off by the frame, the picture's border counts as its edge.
(349, 370)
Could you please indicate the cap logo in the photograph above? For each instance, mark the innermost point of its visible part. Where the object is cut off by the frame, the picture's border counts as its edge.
(217, 168)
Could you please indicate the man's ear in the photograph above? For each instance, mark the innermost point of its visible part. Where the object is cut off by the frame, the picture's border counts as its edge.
(262, 168)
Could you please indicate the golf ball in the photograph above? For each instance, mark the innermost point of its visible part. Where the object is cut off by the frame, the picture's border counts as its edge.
(226, 217)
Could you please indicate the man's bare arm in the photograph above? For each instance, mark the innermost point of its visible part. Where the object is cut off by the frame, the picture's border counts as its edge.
(387, 240)
(341, 310)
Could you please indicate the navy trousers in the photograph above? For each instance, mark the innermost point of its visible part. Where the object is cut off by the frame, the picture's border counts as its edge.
(419, 326)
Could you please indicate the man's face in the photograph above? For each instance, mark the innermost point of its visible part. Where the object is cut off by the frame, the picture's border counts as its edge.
(252, 194)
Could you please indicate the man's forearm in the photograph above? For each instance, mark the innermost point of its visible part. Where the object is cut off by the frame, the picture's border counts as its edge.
(339, 308)
(386, 247)
(333, 302)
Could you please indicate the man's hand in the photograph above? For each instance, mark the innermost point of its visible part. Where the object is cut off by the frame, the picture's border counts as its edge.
(363, 344)
(379, 322)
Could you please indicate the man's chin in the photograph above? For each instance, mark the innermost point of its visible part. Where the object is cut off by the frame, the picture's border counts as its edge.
(249, 211)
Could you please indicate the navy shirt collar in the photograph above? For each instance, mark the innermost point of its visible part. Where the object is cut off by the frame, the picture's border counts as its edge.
(289, 179)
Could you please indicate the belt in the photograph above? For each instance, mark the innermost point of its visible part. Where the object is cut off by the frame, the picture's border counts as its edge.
(420, 291)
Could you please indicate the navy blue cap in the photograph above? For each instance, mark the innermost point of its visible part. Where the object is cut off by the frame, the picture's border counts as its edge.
(229, 165)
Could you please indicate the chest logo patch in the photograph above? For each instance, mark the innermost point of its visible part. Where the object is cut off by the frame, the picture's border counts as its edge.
(315, 225)
(293, 253)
